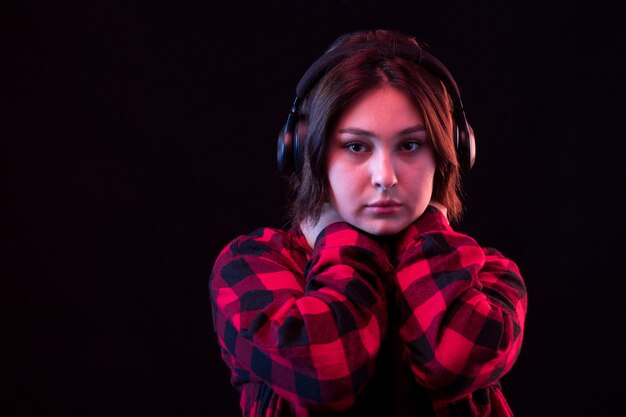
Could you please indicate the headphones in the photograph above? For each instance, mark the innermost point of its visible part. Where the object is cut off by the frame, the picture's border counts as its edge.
(291, 137)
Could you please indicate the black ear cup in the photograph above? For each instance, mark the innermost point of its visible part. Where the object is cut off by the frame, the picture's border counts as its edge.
(299, 138)
(285, 149)
(290, 150)
(464, 142)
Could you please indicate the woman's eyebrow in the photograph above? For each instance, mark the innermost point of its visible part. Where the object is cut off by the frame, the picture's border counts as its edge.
(414, 129)
(357, 132)
(362, 132)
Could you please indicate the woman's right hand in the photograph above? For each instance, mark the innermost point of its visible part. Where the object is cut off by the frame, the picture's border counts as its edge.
(312, 230)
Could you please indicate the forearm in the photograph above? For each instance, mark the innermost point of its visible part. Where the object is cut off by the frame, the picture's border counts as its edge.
(305, 333)
(462, 309)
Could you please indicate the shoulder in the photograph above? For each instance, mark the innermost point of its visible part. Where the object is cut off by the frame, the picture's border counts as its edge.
(264, 240)
(267, 244)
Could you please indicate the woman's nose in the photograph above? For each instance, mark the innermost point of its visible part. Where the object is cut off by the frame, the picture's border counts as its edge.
(383, 172)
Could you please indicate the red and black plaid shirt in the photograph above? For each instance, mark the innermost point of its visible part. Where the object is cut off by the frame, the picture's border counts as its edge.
(350, 327)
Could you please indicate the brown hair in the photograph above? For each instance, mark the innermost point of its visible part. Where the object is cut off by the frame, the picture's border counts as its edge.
(344, 84)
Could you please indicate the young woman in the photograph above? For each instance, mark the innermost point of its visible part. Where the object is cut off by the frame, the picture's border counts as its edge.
(370, 304)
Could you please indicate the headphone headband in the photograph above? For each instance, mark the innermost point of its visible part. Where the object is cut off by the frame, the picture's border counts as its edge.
(409, 52)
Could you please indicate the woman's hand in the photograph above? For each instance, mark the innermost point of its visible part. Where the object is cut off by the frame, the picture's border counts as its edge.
(312, 230)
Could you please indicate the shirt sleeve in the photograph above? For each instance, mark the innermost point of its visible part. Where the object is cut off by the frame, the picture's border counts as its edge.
(462, 309)
(311, 334)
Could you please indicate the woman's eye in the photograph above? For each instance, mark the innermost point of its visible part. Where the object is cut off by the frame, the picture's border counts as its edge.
(356, 147)
(410, 146)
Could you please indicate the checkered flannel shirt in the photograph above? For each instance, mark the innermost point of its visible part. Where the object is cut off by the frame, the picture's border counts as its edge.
(301, 329)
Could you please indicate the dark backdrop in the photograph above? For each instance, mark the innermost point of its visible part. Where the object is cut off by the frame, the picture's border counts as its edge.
(138, 139)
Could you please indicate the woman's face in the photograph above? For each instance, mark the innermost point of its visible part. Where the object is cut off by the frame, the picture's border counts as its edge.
(380, 163)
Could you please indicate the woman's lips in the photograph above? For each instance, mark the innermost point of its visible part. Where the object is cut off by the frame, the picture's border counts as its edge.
(384, 207)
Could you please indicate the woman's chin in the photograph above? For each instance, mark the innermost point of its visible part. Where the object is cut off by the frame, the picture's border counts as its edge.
(381, 227)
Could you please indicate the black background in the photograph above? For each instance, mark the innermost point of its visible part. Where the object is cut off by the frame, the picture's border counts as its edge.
(138, 139)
